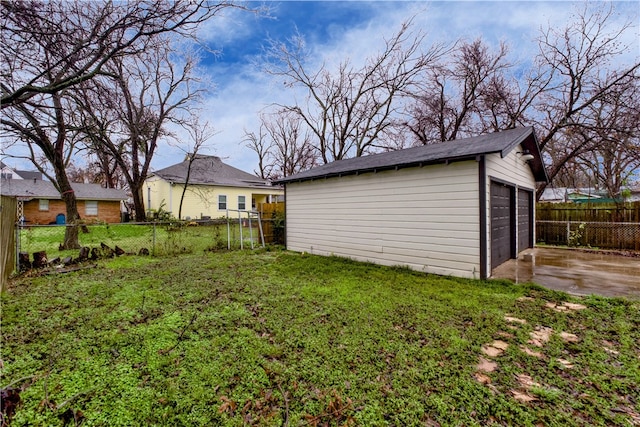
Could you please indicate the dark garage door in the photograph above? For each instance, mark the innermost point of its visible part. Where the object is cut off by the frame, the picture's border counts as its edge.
(525, 229)
(502, 223)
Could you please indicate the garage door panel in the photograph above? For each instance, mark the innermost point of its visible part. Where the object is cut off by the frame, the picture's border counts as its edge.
(525, 220)
(501, 223)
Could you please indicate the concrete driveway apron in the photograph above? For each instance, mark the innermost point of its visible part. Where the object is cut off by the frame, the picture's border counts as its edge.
(575, 271)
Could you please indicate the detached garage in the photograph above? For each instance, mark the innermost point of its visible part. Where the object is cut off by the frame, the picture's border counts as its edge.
(458, 208)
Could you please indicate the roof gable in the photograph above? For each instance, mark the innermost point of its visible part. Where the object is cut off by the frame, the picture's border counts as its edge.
(210, 170)
(461, 149)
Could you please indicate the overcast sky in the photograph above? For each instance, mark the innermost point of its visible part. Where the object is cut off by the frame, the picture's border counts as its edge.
(337, 29)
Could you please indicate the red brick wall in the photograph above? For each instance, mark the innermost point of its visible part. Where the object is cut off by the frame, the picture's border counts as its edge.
(107, 212)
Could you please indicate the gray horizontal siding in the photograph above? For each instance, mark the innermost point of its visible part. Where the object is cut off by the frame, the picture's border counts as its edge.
(425, 218)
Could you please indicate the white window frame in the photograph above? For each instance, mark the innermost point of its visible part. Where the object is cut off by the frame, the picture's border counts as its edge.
(220, 202)
(93, 210)
(244, 203)
(43, 205)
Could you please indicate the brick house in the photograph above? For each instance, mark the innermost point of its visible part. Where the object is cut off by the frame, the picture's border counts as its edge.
(42, 204)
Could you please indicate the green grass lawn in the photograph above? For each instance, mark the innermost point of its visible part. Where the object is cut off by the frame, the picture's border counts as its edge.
(159, 239)
(278, 338)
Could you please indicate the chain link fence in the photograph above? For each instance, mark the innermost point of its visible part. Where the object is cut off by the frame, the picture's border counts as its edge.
(602, 235)
(157, 238)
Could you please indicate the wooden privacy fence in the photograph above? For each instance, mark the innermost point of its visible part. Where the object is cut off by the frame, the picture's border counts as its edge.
(589, 212)
(8, 217)
(272, 215)
(602, 235)
(598, 225)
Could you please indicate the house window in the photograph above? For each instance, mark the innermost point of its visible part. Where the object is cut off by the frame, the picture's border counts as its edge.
(44, 205)
(242, 205)
(91, 208)
(253, 203)
(222, 202)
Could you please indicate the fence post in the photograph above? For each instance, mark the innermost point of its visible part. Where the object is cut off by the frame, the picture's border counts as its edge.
(153, 245)
(568, 233)
(17, 261)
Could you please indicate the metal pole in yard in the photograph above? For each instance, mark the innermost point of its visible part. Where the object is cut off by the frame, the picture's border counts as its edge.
(153, 242)
(240, 224)
(228, 232)
(250, 228)
(260, 227)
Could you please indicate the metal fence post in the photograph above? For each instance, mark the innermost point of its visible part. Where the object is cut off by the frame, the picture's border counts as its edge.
(153, 245)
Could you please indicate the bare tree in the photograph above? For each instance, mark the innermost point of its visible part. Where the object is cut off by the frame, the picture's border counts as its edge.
(259, 143)
(462, 95)
(144, 96)
(349, 110)
(615, 158)
(48, 48)
(199, 135)
(283, 145)
(567, 93)
(578, 61)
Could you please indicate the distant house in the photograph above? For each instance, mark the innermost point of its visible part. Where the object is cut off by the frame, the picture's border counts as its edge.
(586, 195)
(8, 172)
(213, 187)
(458, 208)
(39, 202)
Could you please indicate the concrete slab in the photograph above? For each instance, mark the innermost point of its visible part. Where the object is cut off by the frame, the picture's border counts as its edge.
(575, 271)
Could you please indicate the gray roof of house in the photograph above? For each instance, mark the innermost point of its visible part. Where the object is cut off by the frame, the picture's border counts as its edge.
(39, 189)
(23, 174)
(210, 170)
(461, 149)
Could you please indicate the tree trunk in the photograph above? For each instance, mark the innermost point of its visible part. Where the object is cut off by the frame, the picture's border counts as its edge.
(71, 204)
(138, 204)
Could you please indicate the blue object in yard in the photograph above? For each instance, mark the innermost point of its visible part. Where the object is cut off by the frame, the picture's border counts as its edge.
(60, 219)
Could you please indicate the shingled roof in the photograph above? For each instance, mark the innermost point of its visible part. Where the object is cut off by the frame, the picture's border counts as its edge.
(461, 149)
(40, 189)
(210, 170)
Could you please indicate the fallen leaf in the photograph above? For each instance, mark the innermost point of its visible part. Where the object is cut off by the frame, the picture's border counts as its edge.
(491, 351)
(567, 337)
(574, 306)
(514, 320)
(522, 397)
(526, 350)
(486, 365)
(565, 363)
(500, 344)
(482, 378)
(540, 336)
(611, 351)
(526, 381)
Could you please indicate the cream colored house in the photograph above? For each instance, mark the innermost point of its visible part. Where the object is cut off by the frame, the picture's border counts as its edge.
(458, 208)
(213, 188)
